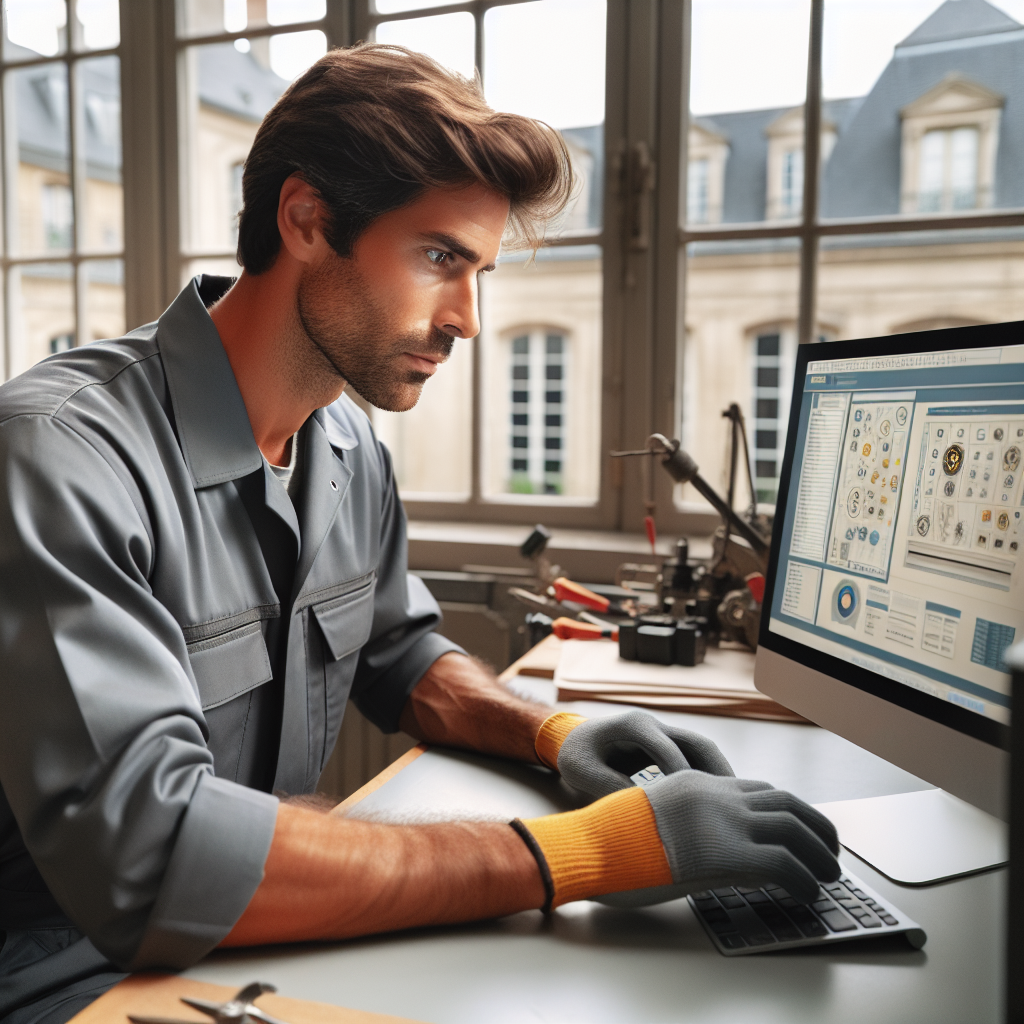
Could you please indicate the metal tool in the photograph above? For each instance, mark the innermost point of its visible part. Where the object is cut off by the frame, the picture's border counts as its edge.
(725, 591)
(237, 1010)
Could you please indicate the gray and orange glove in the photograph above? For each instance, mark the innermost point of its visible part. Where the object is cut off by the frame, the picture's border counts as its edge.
(683, 833)
(597, 756)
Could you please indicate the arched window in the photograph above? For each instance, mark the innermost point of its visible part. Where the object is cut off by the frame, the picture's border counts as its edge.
(537, 379)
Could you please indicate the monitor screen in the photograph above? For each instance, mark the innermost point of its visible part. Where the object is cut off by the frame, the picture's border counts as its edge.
(896, 556)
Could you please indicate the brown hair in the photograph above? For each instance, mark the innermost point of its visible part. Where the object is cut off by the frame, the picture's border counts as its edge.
(371, 127)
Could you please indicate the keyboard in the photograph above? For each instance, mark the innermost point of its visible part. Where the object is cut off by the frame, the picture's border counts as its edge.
(742, 920)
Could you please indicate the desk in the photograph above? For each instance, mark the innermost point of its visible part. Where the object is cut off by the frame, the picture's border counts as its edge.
(595, 964)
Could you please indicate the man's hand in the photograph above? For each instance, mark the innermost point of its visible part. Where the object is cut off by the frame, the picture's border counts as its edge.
(459, 703)
(600, 754)
(685, 833)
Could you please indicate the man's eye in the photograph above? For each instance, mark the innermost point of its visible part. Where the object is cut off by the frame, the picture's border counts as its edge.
(437, 256)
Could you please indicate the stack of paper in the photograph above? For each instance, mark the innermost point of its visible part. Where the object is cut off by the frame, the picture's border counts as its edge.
(722, 685)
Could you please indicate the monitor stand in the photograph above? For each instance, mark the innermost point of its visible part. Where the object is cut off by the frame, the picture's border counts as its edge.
(920, 838)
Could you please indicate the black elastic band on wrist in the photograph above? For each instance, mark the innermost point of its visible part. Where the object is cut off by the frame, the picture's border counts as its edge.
(542, 862)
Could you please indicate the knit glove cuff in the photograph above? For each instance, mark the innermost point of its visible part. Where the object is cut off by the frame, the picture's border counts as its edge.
(610, 846)
(551, 736)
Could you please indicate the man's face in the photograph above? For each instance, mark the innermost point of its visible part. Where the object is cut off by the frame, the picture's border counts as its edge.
(386, 317)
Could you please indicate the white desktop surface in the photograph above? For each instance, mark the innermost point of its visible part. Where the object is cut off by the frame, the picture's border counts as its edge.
(590, 963)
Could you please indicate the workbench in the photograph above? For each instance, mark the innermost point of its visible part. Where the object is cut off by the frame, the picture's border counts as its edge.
(590, 963)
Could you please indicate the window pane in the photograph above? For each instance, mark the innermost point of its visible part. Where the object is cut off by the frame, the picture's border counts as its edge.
(564, 85)
(740, 345)
(431, 444)
(100, 94)
(541, 380)
(40, 213)
(448, 38)
(207, 17)
(227, 90)
(748, 79)
(103, 287)
(34, 28)
(43, 312)
(101, 23)
(397, 6)
(917, 116)
(873, 285)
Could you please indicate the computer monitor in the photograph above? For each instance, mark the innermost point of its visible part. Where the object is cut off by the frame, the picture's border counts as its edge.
(896, 576)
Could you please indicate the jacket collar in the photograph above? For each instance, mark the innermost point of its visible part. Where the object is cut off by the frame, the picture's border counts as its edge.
(216, 437)
(213, 427)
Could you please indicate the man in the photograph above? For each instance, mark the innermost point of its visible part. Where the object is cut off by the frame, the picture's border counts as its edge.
(203, 557)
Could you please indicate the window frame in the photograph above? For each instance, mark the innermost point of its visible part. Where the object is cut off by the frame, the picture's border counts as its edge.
(644, 235)
(77, 256)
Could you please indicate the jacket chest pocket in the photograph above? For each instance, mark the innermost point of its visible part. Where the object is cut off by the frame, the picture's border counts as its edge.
(345, 624)
(228, 669)
(228, 665)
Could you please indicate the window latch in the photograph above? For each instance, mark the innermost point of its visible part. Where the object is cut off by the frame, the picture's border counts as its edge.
(640, 174)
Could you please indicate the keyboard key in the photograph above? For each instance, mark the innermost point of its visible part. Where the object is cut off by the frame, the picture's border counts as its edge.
(778, 893)
(780, 925)
(837, 920)
(722, 927)
(732, 902)
(823, 905)
(759, 938)
(758, 897)
(860, 894)
(702, 895)
(870, 922)
(809, 924)
(715, 914)
(724, 892)
(786, 901)
(888, 919)
(835, 889)
(732, 941)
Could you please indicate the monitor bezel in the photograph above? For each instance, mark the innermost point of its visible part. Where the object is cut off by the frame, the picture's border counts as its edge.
(970, 723)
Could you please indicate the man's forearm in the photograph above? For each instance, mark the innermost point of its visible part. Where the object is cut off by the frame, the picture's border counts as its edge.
(332, 878)
(459, 703)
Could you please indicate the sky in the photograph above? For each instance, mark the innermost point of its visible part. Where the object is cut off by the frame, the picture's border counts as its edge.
(546, 59)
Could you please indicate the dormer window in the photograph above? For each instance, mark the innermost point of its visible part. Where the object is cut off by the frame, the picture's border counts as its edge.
(785, 197)
(949, 170)
(705, 183)
(791, 194)
(950, 135)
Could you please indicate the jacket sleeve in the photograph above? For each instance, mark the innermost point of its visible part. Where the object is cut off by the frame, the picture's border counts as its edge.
(402, 644)
(103, 754)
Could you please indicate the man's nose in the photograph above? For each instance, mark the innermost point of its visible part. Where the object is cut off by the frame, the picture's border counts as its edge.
(460, 313)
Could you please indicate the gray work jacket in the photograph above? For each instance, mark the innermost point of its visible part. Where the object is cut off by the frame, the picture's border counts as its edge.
(136, 603)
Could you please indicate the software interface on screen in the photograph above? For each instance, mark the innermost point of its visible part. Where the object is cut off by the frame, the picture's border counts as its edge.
(902, 528)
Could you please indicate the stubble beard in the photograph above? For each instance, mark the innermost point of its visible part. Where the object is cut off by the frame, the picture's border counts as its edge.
(359, 340)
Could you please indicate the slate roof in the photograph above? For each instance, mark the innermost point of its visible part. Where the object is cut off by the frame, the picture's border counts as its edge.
(861, 178)
(971, 37)
(229, 81)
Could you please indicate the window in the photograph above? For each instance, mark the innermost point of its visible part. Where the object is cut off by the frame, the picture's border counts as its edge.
(57, 216)
(697, 191)
(949, 170)
(791, 195)
(236, 196)
(63, 211)
(772, 358)
(950, 144)
(537, 424)
(691, 217)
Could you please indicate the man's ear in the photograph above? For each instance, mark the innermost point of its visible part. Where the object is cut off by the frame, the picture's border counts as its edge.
(299, 214)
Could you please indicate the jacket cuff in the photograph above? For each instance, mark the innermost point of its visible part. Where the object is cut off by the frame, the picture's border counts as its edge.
(215, 867)
(382, 702)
